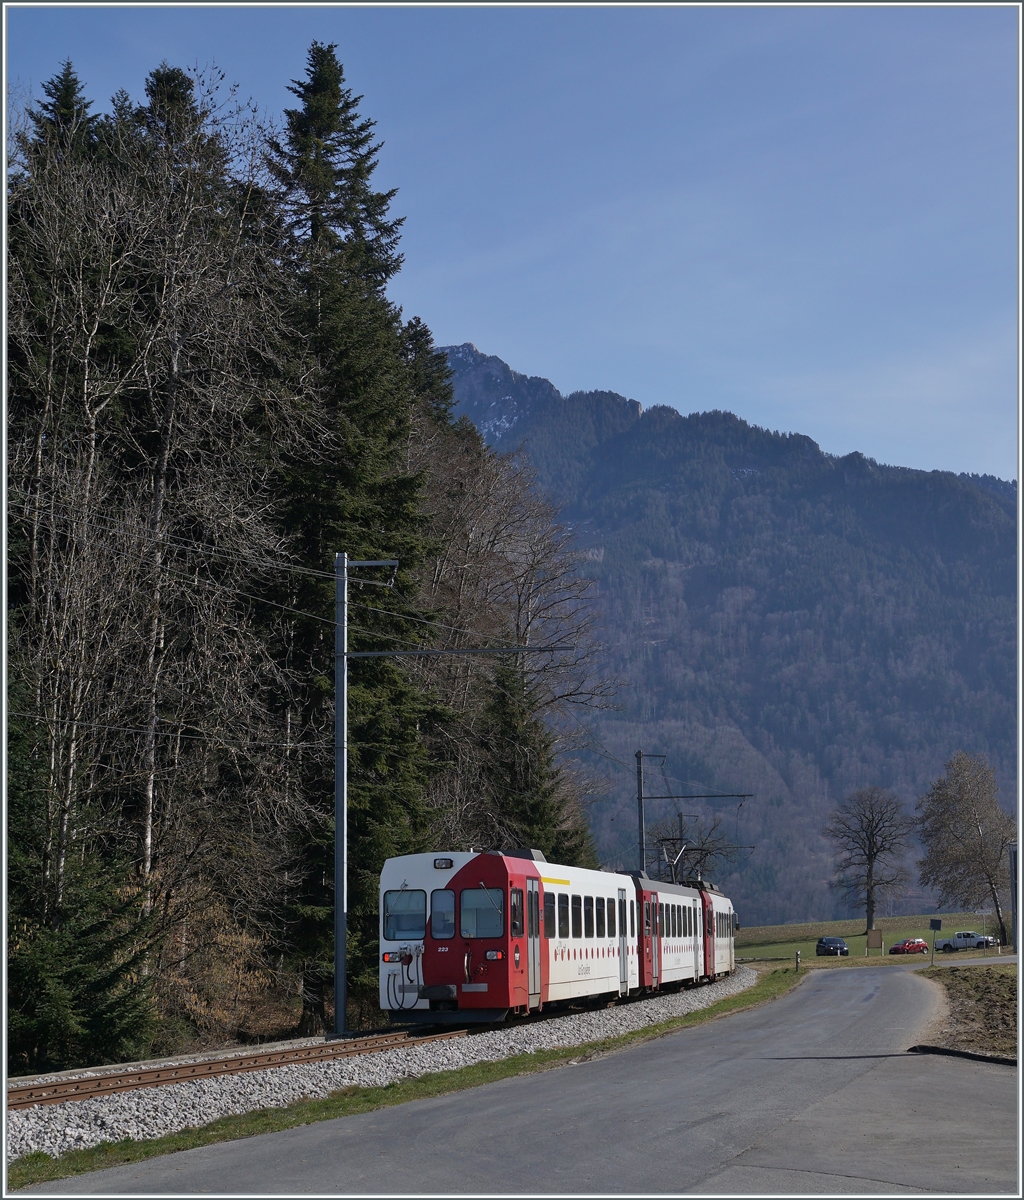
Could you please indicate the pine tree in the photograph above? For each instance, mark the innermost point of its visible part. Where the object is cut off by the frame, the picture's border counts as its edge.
(64, 118)
(358, 497)
(530, 797)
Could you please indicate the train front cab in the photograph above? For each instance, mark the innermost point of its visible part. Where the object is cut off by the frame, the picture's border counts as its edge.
(481, 950)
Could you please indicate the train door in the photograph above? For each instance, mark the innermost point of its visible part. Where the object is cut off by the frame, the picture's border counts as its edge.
(656, 911)
(533, 939)
(709, 934)
(623, 945)
(695, 918)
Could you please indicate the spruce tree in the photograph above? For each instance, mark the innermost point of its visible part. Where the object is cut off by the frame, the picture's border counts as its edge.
(532, 805)
(357, 497)
(63, 118)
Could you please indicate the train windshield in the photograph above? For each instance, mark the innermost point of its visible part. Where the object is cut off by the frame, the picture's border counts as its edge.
(405, 915)
(482, 912)
(442, 914)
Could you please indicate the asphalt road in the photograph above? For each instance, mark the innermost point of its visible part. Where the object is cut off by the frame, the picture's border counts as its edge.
(810, 1094)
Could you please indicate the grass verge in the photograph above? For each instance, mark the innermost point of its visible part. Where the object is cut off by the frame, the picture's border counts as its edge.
(41, 1168)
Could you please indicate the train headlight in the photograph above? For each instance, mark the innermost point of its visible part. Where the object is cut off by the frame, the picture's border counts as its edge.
(494, 955)
(393, 956)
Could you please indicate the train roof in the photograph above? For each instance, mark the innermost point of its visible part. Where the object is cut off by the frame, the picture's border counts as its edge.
(685, 886)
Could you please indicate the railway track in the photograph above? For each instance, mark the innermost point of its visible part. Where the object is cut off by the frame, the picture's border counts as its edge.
(58, 1091)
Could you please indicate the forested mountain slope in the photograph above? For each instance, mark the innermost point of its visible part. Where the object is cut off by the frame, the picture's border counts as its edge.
(784, 622)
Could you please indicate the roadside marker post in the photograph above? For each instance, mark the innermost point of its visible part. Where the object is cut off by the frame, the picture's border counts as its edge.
(935, 924)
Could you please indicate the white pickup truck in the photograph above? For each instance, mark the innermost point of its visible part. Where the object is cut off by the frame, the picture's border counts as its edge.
(963, 941)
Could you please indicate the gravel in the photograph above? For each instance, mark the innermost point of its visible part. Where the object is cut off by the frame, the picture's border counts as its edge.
(153, 1112)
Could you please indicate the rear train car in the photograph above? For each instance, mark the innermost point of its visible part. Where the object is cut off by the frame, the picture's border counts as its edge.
(468, 936)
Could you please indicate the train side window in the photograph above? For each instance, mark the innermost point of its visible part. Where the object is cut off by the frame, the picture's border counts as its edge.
(610, 906)
(577, 916)
(661, 920)
(647, 918)
(563, 915)
(532, 914)
(588, 916)
(515, 912)
(599, 916)
(675, 920)
(622, 916)
(442, 914)
(689, 922)
(549, 914)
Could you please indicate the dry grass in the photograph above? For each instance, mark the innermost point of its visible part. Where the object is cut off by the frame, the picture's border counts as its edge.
(982, 1009)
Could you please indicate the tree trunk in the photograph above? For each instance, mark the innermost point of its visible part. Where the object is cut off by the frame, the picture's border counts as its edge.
(869, 895)
(1003, 939)
(314, 1010)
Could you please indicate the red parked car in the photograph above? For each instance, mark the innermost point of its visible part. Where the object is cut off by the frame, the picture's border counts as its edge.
(910, 946)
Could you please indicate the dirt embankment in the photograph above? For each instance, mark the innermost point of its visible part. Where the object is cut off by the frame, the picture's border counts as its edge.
(982, 1013)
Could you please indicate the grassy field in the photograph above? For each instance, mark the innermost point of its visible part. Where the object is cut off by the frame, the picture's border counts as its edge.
(767, 942)
(41, 1168)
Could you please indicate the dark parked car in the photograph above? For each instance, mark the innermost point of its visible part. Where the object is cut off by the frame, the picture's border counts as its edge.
(831, 946)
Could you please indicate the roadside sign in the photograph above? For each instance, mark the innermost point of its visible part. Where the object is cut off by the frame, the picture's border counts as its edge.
(935, 923)
(874, 939)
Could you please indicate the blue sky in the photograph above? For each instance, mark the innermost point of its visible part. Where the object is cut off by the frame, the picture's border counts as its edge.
(806, 216)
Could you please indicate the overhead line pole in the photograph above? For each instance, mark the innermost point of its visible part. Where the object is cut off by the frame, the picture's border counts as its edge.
(640, 798)
(342, 654)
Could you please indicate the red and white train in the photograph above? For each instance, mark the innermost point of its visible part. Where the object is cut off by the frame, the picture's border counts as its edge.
(476, 936)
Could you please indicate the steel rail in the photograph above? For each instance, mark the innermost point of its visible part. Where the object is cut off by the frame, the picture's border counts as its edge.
(58, 1091)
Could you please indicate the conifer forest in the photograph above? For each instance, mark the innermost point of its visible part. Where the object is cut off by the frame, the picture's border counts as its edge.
(210, 394)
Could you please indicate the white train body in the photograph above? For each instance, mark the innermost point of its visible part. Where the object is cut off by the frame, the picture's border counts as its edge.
(471, 936)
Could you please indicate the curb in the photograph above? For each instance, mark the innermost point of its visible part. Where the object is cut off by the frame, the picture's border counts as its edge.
(989, 1058)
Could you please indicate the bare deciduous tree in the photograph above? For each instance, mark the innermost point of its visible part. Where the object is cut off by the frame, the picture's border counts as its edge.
(146, 325)
(506, 574)
(870, 831)
(690, 848)
(965, 836)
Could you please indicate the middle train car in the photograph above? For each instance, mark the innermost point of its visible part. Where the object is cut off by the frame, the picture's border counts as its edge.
(470, 936)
